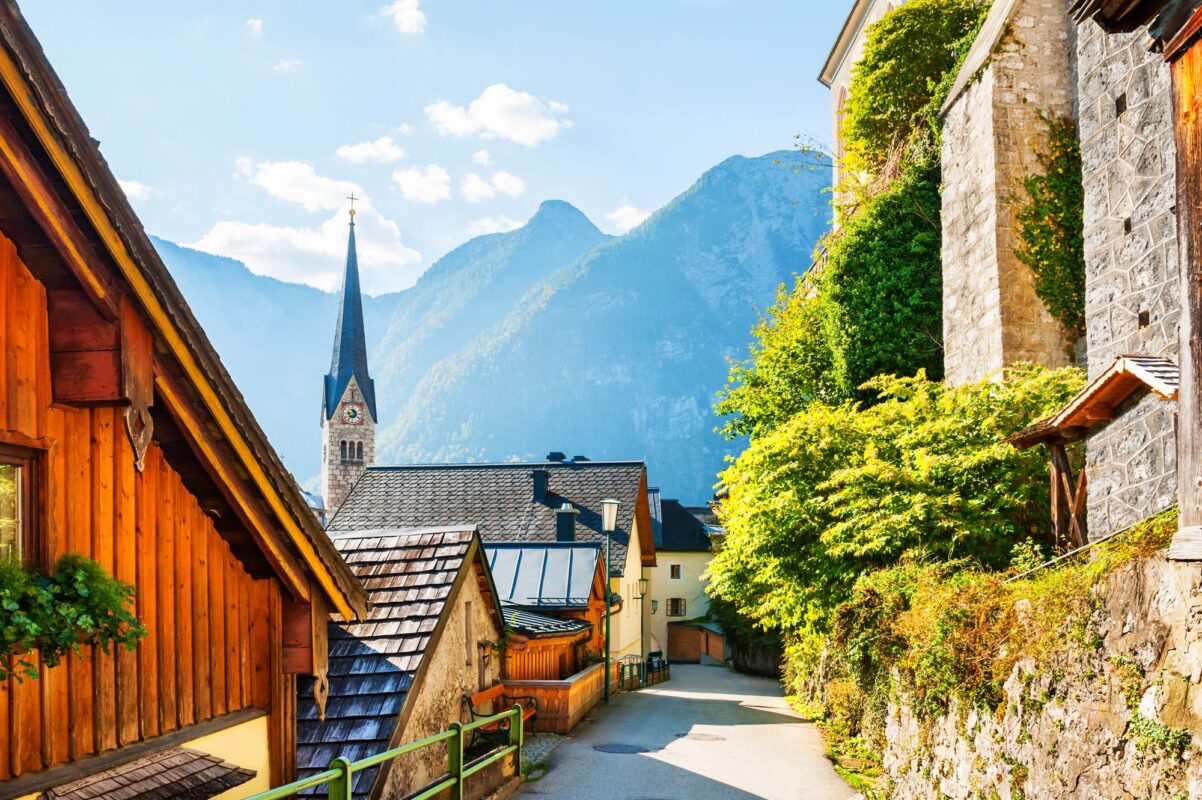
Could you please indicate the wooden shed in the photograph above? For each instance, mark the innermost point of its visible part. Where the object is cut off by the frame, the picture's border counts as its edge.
(130, 444)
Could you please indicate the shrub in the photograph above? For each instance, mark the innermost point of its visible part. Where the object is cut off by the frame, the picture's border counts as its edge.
(1051, 228)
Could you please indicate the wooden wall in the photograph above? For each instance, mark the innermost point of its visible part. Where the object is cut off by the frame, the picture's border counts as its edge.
(542, 660)
(210, 649)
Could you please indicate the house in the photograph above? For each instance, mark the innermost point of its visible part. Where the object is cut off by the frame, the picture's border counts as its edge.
(129, 444)
(433, 635)
(677, 587)
(553, 594)
(558, 500)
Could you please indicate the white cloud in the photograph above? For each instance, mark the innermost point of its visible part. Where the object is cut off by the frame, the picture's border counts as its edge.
(384, 150)
(485, 225)
(405, 129)
(509, 184)
(316, 255)
(287, 65)
(501, 113)
(406, 15)
(136, 190)
(297, 182)
(475, 189)
(626, 216)
(482, 158)
(429, 184)
(255, 26)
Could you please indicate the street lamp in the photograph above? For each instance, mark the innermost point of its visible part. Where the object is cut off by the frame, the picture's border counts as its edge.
(643, 584)
(609, 521)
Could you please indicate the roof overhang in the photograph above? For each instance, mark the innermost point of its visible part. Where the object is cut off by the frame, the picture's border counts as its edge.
(81, 173)
(1097, 401)
(847, 36)
(1172, 24)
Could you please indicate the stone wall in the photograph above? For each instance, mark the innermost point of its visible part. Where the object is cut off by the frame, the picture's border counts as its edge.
(992, 137)
(1070, 732)
(338, 477)
(1131, 304)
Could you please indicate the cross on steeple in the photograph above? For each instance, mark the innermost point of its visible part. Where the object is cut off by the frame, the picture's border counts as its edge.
(352, 198)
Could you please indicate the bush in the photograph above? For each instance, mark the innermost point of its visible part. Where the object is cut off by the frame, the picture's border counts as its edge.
(76, 604)
(1051, 228)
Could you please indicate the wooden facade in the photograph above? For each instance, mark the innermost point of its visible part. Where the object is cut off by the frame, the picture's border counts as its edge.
(143, 458)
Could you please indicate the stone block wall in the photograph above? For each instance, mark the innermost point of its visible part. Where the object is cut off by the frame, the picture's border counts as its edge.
(1068, 732)
(1131, 303)
(338, 477)
(992, 137)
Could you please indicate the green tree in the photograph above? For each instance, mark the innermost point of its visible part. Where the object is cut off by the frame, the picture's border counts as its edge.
(790, 364)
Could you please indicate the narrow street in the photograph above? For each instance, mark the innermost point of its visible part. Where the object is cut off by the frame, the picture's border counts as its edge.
(708, 734)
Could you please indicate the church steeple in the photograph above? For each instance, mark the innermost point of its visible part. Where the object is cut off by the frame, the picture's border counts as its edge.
(348, 405)
(350, 342)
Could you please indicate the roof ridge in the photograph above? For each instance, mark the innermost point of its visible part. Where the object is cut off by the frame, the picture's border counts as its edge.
(506, 464)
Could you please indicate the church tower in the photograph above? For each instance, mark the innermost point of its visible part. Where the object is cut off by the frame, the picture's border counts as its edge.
(348, 408)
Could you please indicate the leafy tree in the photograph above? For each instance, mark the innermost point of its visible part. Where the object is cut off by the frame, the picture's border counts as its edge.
(883, 278)
(790, 364)
(907, 54)
(837, 491)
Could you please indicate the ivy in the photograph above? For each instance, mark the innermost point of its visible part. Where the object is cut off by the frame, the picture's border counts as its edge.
(1051, 227)
(77, 603)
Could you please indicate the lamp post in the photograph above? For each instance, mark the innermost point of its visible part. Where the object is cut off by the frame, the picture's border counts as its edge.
(609, 521)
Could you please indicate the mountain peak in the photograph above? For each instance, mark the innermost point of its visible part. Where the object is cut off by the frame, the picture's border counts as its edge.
(559, 213)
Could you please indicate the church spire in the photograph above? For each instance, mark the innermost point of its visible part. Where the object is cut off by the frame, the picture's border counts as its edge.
(350, 343)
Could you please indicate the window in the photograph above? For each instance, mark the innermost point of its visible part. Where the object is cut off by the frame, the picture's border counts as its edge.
(674, 571)
(469, 637)
(676, 606)
(359, 452)
(342, 449)
(16, 503)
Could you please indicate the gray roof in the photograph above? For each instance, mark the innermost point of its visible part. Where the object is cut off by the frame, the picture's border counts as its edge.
(499, 499)
(537, 626)
(408, 576)
(543, 574)
(683, 531)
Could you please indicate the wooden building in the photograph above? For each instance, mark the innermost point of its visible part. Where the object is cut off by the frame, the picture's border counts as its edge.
(135, 448)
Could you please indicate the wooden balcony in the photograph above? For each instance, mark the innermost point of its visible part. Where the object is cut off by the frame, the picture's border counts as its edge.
(562, 704)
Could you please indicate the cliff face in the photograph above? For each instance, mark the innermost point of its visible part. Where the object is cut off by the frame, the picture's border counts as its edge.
(1119, 720)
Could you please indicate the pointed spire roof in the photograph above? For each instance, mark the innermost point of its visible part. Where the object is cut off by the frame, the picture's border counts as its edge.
(350, 342)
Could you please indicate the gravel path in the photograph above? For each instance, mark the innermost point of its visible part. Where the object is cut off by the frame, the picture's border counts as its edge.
(707, 734)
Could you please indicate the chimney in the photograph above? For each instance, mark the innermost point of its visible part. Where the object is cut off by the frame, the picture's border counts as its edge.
(540, 485)
(579, 459)
(565, 523)
(555, 455)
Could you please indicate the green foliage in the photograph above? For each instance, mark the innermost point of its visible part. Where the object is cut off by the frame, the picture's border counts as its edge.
(790, 364)
(76, 604)
(883, 281)
(1051, 228)
(907, 54)
(836, 491)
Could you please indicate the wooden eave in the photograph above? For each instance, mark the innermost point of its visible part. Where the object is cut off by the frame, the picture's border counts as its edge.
(642, 517)
(1097, 401)
(847, 34)
(76, 169)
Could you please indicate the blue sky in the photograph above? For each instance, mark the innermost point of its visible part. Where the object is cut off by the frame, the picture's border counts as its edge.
(240, 126)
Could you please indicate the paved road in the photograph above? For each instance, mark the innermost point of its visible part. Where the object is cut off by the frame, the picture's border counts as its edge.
(710, 734)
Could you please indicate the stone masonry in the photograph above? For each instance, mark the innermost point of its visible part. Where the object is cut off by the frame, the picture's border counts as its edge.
(1131, 304)
(339, 474)
(992, 136)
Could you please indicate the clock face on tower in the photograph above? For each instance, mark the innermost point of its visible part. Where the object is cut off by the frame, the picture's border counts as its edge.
(352, 413)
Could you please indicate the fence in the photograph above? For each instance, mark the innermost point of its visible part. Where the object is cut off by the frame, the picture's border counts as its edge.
(340, 772)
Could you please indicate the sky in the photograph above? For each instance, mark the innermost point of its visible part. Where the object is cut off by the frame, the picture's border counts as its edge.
(241, 127)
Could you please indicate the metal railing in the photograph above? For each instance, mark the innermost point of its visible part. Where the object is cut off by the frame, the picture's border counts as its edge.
(339, 777)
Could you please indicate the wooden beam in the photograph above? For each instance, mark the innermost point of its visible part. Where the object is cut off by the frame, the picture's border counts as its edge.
(32, 185)
(223, 475)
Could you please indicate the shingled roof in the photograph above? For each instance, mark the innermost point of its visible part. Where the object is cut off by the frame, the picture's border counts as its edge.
(504, 501)
(176, 773)
(374, 664)
(683, 531)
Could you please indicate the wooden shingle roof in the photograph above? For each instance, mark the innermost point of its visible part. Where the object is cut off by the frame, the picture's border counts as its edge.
(501, 500)
(1097, 401)
(409, 576)
(176, 773)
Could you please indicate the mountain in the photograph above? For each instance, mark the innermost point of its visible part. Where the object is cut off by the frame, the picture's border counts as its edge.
(550, 337)
(275, 339)
(618, 353)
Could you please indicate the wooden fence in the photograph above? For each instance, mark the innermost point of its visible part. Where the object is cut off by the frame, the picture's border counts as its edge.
(562, 704)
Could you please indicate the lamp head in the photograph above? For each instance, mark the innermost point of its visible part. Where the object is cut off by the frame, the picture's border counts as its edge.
(609, 515)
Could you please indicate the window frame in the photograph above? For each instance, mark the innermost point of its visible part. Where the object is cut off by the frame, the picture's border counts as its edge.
(28, 460)
(683, 608)
(675, 572)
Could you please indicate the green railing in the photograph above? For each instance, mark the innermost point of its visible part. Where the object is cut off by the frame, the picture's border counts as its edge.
(338, 778)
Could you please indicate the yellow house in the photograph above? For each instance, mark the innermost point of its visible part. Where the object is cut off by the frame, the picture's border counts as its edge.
(677, 592)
